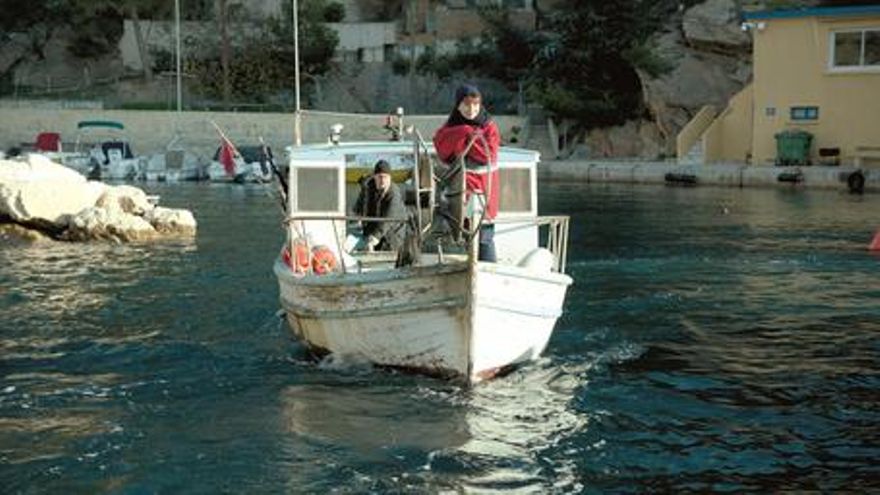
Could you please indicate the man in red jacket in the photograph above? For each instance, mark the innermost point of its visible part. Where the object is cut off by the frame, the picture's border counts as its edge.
(470, 121)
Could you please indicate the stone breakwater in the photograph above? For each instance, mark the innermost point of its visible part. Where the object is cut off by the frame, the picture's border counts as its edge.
(729, 175)
(40, 198)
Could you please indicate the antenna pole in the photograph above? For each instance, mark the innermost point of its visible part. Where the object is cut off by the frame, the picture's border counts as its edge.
(297, 120)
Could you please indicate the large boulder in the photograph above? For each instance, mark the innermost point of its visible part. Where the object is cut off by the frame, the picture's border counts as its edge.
(172, 221)
(113, 224)
(632, 139)
(46, 196)
(129, 198)
(39, 191)
(715, 26)
(12, 233)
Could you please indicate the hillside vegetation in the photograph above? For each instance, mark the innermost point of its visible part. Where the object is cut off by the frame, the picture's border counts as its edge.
(590, 64)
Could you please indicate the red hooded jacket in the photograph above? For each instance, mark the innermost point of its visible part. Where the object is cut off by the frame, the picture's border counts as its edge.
(450, 142)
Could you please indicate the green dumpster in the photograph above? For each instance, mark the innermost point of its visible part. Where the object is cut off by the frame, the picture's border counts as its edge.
(793, 147)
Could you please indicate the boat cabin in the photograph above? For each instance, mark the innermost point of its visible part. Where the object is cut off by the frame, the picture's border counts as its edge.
(321, 199)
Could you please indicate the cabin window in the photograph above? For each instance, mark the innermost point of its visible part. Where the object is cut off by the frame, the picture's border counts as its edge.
(516, 190)
(804, 113)
(854, 49)
(317, 189)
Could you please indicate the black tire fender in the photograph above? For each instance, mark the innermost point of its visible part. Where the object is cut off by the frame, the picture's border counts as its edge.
(856, 182)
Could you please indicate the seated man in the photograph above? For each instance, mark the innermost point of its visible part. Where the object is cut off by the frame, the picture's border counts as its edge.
(380, 198)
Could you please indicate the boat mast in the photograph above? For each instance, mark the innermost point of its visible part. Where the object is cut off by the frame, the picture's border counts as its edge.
(297, 119)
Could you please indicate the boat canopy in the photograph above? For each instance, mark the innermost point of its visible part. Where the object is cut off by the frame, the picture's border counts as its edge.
(384, 149)
(110, 124)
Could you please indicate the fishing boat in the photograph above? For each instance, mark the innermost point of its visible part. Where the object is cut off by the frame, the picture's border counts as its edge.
(431, 307)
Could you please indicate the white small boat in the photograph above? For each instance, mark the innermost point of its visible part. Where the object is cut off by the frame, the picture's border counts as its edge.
(447, 314)
(173, 164)
(102, 151)
(250, 165)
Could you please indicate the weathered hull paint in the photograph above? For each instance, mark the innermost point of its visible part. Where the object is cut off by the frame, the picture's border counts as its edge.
(420, 319)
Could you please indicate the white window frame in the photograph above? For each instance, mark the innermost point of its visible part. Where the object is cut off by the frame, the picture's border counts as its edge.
(533, 192)
(338, 165)
(832, 39)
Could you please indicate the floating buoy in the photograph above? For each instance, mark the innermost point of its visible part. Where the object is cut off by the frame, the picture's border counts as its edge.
(875, 244)
(538, 260)
(298, 264)
(323, 260)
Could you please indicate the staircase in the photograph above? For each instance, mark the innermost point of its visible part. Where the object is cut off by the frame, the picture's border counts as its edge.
(695, 155)
(536, 134)
(537, 137)
(689, 142)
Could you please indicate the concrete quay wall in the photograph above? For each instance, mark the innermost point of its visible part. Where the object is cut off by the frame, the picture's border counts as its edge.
(727, 175)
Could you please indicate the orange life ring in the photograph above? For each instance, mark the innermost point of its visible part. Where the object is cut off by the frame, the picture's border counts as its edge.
(323, 260)
(299, 265)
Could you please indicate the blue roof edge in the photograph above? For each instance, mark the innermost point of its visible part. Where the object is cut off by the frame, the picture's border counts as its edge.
(813, 12)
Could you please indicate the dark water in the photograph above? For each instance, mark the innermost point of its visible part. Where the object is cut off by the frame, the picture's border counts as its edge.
(714, 340)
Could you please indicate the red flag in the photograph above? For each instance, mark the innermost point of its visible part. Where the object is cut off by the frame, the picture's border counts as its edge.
(227, 156)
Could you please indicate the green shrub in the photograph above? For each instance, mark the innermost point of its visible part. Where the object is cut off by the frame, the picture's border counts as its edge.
(400, 65)
(334, 12)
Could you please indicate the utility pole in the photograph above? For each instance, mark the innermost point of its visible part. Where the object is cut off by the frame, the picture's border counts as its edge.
(177, 57)
(225, 51)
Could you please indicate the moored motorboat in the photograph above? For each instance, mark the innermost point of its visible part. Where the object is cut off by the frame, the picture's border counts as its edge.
(248, 165)
(103, 151)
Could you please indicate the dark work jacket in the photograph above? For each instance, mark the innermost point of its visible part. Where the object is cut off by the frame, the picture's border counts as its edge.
(372, 203)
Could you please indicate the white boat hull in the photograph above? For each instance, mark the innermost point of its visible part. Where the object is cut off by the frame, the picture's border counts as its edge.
(445, 320)
(244, 172)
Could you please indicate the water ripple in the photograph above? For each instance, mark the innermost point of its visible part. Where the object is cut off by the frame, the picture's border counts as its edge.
(702, 349)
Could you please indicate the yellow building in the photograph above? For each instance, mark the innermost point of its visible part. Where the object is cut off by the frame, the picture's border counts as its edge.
(815, 70)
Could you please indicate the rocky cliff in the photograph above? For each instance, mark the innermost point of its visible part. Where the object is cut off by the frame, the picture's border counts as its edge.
(710, 60)
(707, 52)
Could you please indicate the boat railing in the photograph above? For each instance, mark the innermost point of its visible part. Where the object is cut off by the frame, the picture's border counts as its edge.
(291, 222)
(423, 183)
(556, 240)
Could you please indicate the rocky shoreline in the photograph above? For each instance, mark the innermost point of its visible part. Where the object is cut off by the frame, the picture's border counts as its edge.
(41, 199)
